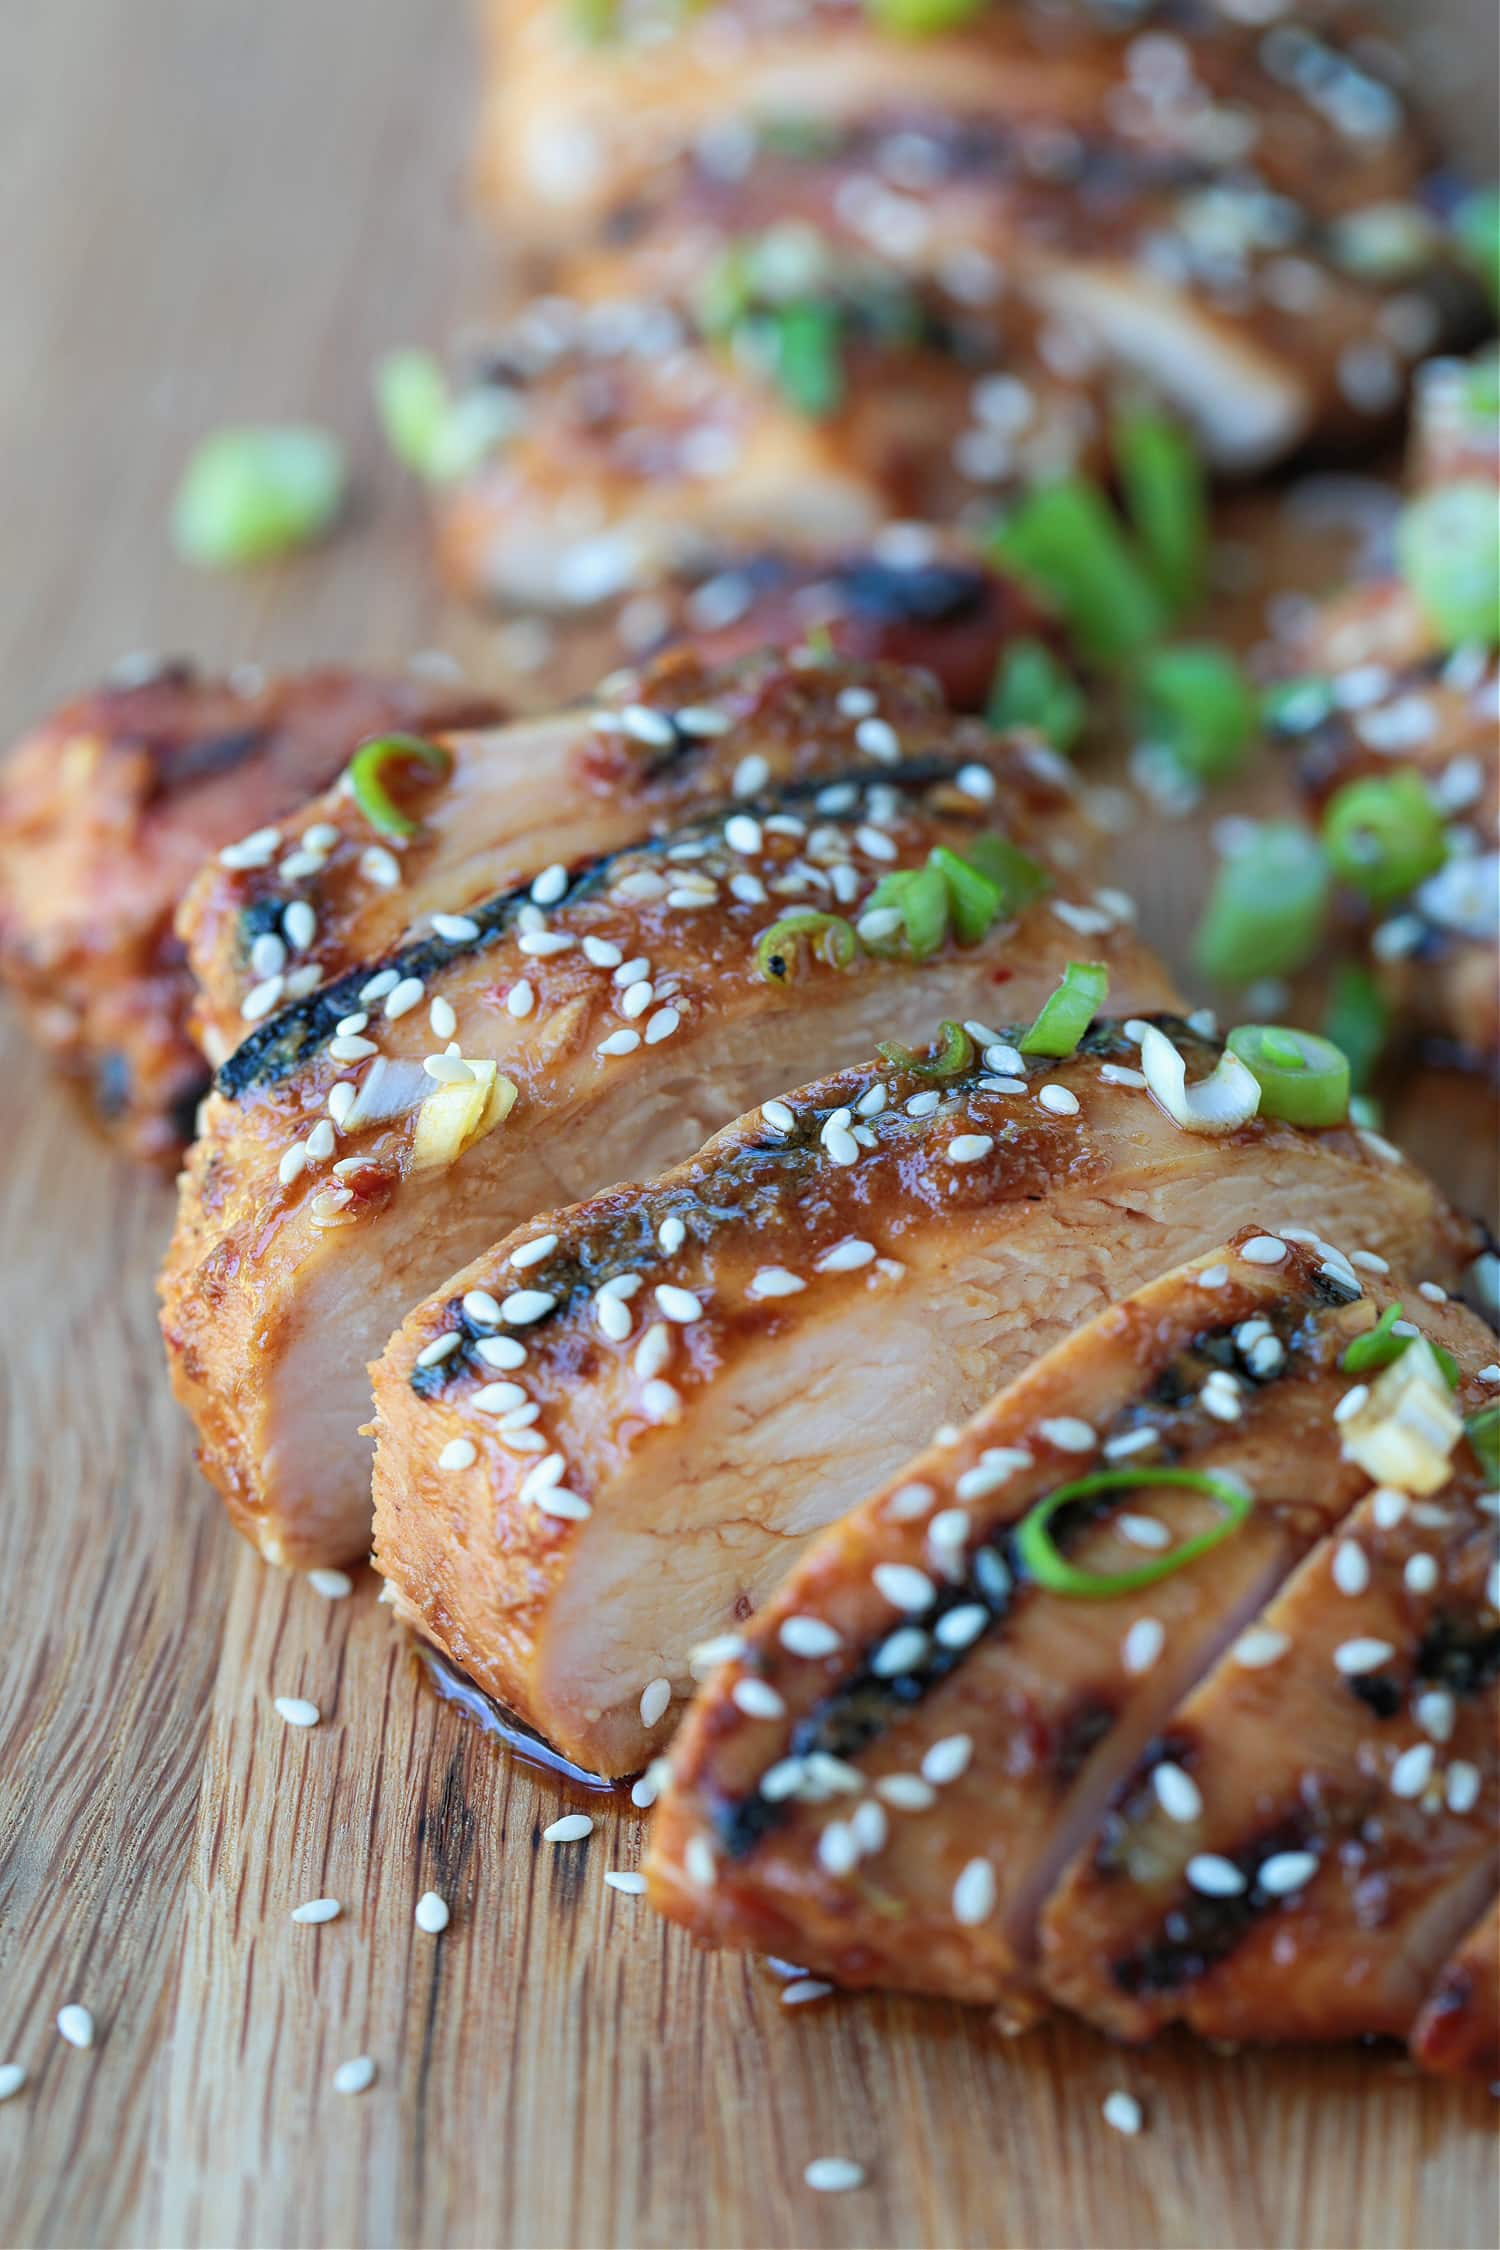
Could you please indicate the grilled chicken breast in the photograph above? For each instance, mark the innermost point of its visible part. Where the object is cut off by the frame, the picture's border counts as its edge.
(108, 808)
(1384, 691)
(1457, 2034)
(366, 1142)
(652, 750)
(970, 1707)
(727, 1359)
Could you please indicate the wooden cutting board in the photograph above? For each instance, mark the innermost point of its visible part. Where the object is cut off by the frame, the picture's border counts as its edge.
(214, 210)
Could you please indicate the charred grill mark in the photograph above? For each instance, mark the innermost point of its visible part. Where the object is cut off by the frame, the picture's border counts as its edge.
(1199, 1932)
(286, 1040)
(1459, 1653)
(206, 756)
(1078, 1735)
(916, 594)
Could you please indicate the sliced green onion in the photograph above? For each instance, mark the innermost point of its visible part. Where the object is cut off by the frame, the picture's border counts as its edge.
(367, 772)
(1483, 1432)
(1476, 223)
(1379, 1346)
(1066, 541)
(974, 898)
(1031, 689)
(809, 364)
(955, 1054)
(920, 896)
(1166, 498)
(1039, 1555)
(594, 20)
(1021, 878)
(1384, 835)
(828, 936)
(413, 401)
(1267, 909)
(1358, 1020)
(1303, 1079)
(919, 19)
(1067, 1013)
(1194, 702)
(254, 492)
(1448, 546)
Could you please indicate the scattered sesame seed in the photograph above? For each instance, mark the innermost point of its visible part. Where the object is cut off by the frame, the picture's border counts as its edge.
(778, 1117)
(403, 997)
(903, 1651)
(333, 1585)
(458, 1453)
(570, 1829)
(550, 885)
(1413, 1770)
(533, 1252)
(1462, 1786)
(557, 1500)
(1068, 1433)
(297, 1711)
(775, 1281)
(1059, 1100)
(976, 782)
(970, 1148)
(957, 1628)
(12, 2079)
(700, 1863)
(1263, 1250)
(619, 1043)
(1259, 1647)
(1356, 1657)
(1285, 1872)
(838, 1853)
(431, 1914)
(1213, 1277)
(624, 1879)
(947, 1758)
(1123, 2112)
(801, 1990)
(355, 2076)
(974, 1894)
(656, 1697)
(383, 869)
(1176, 1792)
(757, 1699)
(1214, 1876)
(1351, 1567)
(808, 1636)
(317, 1910)
(904, 1587)
(1436, 1713)
(523, 1306)
(76, 2025)
(1420, 1574)
(678, 1304)
(834, 2175)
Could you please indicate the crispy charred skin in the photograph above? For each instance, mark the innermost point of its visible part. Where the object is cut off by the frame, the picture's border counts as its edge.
(283, 1280)
(1457, 2034)
(837, 1299)
(106, 812)
(687, 732)
(951, 1728)
(1335, 1836)
(1385, 695)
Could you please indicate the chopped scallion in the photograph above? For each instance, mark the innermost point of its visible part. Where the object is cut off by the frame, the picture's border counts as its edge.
(251, 493)
(1194, 703)
(1067, 1013)
(920, 896)
(1380, 1345)
(1066, 541)
(953, 1056)
(367, 771)
(1031, 689)
(1020, 878)
(1049, 1568)
(1358, 1020)
(1448, 546)
(809, 365)
(1476, 223)
(1161, 477)
(1267, 909)
(1384, 835)
(919, 19)
(974, 898)
(1303, 1079)
(1483, 1433)
(413, 402)
(828, 936)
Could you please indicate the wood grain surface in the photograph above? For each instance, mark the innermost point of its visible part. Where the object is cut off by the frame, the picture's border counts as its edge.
(212, 208)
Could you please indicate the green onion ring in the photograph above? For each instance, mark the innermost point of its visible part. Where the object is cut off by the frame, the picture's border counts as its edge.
(366, 778)
(1267, 910)
(954, 1056)
(827, 935)
(1031, 689)
(1304, 1080)
(1192, 699)
(1038, 1554)
(1384, 835)
(974, 898)
(1067, 1013)
(1378, 1347)
(1067, 541)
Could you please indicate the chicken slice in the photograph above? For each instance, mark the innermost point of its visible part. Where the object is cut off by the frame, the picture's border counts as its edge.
(1313, 1828)
(1458, 2034)
(656, 748)
(365, 1143)
(107, 810)
(736, 1354)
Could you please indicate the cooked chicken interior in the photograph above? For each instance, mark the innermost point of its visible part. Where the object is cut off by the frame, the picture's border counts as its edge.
(1139, 1652)
(714, 1366)
(108, 809)
(591, 1026)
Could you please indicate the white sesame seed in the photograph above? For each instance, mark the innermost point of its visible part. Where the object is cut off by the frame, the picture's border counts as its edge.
(808, 1636)
(533, 1252)
(878, 739)
(834, 2175)
(904, 1587)
(333, 1585)
(1213, 1277)
(957, 1628)
(267, 955)
(570, 1829)
(480, 1305)
(1058, 1100)
(523, 1306)
(441, 1348)
(297, 1711)
(1356, 1657)
(902, 1652)
(1285, 1872)
(1143, 1531)
(317, 1910)
(656, 1697)
(1351, 1402)
(76, 2025)
(261, 998)
(757, 1699)
(293, 1164)
(568, 1507)
(354, 2076)
(431, 1914)
(447, 1070)
(458, 1453)
(1261, 1646)
(801, 1990)
(1263, 1250)
(619, 1043)
(976, 782)
(1142, 1645)
(456, 928)
(970, 1148)
(1420, 1574)
(543, 945)
(1176, 1792)
(383, 869)
(1123, 2112)
(1351, 1567)
(498, 1398)
(974, 1894)
(778, 1117)
(775, 1281)
(625, 1880)
(403, 998)
(257, 850)
(349, 1047)
(845, 1257)
(653, 1351)
(341, 1099)
(838, 1852)
(1413, 1770)
(12, 2079)
(1436, 1713)
(550, 885)
(838, 1142)
(299, 925)
(1462, 1786)
(1214, 1876)
(947, 1758)
(613, 1316)
(924, 1105)
(700, 1863)
(1068, 1433)
(678, 1304)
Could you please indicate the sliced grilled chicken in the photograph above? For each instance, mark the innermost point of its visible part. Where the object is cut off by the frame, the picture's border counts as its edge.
(596, 1026)
(734, 1355)
(889, 1771)
(107, 810)
(1457, 2034)
(1385, 691)
(1314, 1828)
(655, 749)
